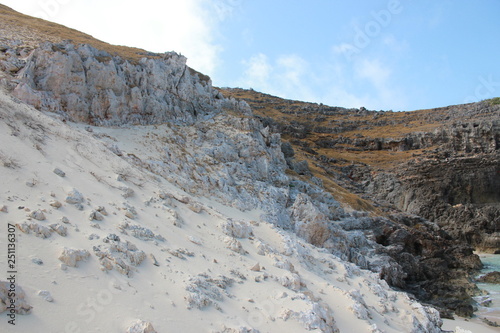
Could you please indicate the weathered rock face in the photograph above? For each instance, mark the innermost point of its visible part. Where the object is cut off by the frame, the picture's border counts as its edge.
(85, 84)
(457, 185)
(460, 194)
(445, 170)
(437, 268)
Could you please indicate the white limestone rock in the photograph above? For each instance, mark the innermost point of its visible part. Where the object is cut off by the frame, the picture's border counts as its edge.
(71, 257)
(204, 291)
(234, 245)
(141, 326)
(59, 229)
(236, 229)
(86, 84)
(39, 230)
(122, 256)
(37, 215)
(291, 281)
(461, 330)
(318, 317)
(195, 240)
(139, 232)
(242, 329)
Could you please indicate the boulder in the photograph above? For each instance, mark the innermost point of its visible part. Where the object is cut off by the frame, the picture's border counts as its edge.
(59, 172)
(71, 257)
(39, 230)
(74, 197)
(236, 229)
(37, 215)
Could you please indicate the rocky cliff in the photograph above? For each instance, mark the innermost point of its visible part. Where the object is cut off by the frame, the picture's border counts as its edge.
(214, 146)
(440, 164)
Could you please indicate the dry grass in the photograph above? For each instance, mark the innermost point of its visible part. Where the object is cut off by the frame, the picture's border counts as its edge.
(378, 159)
(340, 194)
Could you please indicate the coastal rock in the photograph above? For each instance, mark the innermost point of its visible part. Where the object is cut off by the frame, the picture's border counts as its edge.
(492, 277)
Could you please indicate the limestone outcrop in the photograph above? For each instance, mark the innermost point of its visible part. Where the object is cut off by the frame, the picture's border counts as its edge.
(84, 84)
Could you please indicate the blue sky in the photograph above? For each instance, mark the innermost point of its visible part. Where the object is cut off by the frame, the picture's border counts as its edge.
(390, 55)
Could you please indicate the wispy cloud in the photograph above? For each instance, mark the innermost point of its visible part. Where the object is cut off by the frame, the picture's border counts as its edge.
(287, 76)
(257, 72)
(335, 82)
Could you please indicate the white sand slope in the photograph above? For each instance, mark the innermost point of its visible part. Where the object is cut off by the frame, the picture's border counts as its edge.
(157, 254)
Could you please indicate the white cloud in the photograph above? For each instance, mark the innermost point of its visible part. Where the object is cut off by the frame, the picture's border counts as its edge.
(373, 71)
(257, 73)
(364, 82)
(379, 76)
(294, 68)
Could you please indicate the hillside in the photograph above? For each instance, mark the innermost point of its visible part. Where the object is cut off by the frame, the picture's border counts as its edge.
(139, 198)
(440, 164)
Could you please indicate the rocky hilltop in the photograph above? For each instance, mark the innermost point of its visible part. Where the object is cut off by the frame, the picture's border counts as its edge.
(440, 164)
(179, 158)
